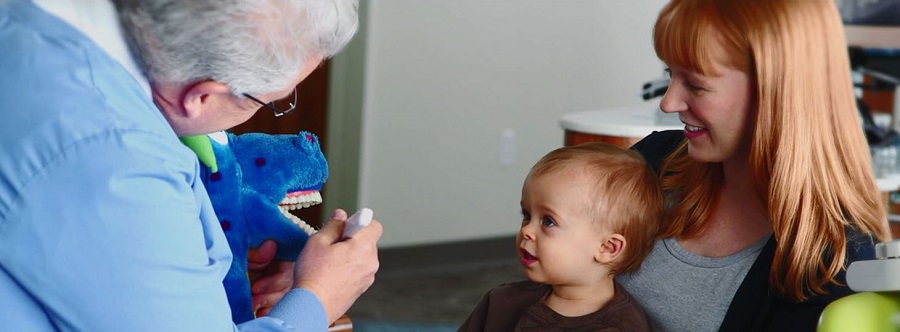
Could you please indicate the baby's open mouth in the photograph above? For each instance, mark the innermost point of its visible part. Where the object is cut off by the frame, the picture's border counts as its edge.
(527, 256)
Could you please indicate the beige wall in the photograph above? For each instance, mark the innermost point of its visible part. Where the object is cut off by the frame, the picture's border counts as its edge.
(443, 80)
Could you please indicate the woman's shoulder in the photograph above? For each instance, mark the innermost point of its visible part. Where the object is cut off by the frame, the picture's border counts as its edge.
(659, 144)
(860, 246)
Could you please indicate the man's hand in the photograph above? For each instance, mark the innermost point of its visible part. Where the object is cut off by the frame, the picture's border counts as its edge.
(338, 272)
(270, 279)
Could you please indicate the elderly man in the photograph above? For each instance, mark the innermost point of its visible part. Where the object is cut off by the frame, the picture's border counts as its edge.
(104, 223)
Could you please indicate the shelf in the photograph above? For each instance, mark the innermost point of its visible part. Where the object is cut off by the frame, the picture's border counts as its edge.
(872, 36)
(894, 218)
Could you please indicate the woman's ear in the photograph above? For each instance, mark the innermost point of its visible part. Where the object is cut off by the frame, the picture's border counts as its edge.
(610, 248)
(204, 96)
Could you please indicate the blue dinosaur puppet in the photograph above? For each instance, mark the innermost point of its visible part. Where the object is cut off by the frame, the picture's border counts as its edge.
(254, 180)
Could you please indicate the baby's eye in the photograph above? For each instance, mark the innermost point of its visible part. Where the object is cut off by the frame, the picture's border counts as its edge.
(526, 217)
(548, 222)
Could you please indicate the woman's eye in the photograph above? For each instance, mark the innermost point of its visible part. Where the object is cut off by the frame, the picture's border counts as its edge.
(548, 222)
(693, 87)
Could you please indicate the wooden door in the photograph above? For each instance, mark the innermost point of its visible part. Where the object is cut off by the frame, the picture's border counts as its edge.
(310, 115)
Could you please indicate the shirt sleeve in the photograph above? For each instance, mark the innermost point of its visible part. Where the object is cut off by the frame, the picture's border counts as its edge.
(299, 309)
(117, 234)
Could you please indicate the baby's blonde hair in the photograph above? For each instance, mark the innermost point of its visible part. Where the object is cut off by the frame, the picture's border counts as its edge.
(626, 196)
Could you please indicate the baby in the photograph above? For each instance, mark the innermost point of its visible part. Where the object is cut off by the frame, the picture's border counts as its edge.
(589, 212)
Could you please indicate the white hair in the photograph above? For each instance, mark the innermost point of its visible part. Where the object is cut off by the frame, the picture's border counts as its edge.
(253, 46)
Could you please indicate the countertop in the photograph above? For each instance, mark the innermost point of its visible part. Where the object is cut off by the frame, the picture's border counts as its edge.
(636, 121)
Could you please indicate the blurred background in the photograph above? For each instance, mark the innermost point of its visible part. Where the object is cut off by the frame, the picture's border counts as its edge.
(434, 113)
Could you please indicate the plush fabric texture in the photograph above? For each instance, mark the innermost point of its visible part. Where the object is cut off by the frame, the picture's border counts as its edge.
(255, 172)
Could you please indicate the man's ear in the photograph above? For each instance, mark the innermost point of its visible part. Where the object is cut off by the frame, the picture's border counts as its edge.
(611, 246)
(204, 96)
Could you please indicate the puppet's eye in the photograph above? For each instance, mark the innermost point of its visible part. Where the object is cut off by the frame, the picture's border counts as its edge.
(305, 142)
(260, 161)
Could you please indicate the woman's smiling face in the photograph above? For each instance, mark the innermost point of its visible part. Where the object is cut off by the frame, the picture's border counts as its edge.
(716, 111)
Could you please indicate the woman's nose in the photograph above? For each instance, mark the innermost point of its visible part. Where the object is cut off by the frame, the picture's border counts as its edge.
(672, 101)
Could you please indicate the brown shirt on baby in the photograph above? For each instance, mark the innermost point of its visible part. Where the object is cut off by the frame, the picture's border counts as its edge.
(519, 306)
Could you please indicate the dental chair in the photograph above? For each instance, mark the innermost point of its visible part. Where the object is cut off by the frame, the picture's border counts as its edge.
(876, 306)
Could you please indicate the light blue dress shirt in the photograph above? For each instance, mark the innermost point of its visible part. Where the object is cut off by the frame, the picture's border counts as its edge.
(104, 223)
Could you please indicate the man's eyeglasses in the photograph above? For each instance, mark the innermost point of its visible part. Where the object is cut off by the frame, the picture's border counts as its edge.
(278, 112)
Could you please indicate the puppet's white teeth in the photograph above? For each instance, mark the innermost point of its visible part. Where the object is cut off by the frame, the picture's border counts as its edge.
(298, 202)
(302, 201)
(300, 205)
(297, 221)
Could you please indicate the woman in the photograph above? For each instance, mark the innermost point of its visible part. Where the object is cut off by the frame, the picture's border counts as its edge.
(769, 187)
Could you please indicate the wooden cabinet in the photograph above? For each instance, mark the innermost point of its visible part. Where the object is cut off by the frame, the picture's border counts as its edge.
(618, 126)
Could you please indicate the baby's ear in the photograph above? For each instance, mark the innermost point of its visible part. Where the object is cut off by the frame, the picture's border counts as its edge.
(610, 247)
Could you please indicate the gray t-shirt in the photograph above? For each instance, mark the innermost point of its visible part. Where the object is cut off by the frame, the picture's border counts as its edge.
(681, 291)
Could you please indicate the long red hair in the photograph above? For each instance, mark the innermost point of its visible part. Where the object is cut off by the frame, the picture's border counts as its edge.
(808, 155)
